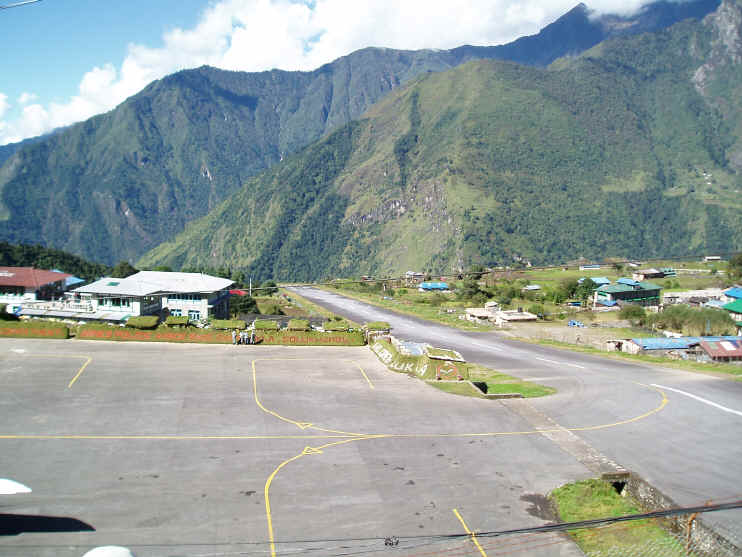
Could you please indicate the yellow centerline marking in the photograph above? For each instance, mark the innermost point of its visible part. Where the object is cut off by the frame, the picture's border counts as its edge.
(266, 490)
(301, 425)
(79, 373)
(365, 376)
(468, 531)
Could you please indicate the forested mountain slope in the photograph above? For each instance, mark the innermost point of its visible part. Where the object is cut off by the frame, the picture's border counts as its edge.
(120, 183)
(631, 149)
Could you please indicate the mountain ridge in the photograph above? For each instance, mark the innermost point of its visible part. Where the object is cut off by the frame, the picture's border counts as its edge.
(613, 152)
(137, 174)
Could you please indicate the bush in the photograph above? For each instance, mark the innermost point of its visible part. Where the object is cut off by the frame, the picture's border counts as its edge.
(34, 329)
(298, 325)
(537, 309)
(143, 322)
(337, 326)
(176, 321)
(228, 324)
(635, 314)
(265, 325)
(269, 288)
(377, 326)
(242, 304)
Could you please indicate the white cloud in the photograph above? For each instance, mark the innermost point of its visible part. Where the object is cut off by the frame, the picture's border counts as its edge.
(255, 35)
(4, 104)
(26, 98)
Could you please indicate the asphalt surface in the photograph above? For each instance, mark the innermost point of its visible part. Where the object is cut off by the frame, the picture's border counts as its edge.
(189, 450)
(690, 449)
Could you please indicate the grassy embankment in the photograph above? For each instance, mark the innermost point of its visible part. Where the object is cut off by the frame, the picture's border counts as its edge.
(592, 499)
(497, 383)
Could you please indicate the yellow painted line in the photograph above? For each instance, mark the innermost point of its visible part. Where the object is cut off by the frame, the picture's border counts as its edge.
(266, 490)
(301, 425)
(79, 373)
(468, 531)
(365, 376)
(172, 437)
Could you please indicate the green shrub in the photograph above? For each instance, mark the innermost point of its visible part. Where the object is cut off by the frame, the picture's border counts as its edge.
(635, 314)
(265, 325)
(34, 329)
(298, 325)
(143, 322)
(176, 320)
(377, 326)
(336, 326)
(228, 324)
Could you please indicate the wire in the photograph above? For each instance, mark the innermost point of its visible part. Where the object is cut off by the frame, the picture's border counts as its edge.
(18, 4)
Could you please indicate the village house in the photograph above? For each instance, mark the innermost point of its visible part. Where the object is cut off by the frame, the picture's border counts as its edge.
(504, 317)
(21, 285)
(693, 297)
(194, 295)
(433, 287)
(725, 351)
(735, 311)
(628, 291)
(645, 274)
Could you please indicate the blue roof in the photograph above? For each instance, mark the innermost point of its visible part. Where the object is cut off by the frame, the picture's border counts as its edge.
(434, 286)
(682, 343)
(600, 281)
(735, 292)
(608, 303)
(628, 282)
(714, 304)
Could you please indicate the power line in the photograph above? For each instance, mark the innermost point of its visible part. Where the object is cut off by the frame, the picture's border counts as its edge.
(436, 538)
(18, 4)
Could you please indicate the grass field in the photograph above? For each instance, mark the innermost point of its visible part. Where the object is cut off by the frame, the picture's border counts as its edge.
(591, 499)
(497, 383)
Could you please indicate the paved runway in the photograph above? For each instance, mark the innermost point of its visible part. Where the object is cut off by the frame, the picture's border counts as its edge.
(690, 450)
(174, 449)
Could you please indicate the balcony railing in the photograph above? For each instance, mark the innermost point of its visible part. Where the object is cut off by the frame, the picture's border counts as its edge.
(60, 306)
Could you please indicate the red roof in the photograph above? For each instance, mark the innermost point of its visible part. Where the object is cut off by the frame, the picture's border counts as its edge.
(723, 348)
(29, 277)
(238, 292)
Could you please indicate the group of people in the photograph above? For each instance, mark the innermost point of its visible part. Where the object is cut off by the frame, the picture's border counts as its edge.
(243, 337)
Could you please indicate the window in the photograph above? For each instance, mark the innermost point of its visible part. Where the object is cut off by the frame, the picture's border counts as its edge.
(175, 312)
(194, 315)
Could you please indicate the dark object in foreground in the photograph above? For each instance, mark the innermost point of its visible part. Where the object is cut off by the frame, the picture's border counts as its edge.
(14, 524)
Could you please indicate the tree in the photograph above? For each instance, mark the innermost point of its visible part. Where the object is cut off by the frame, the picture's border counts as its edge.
(735, 266)
(635, 314)
(163, 268)
(269, 287)
(242, 304)
(569, 286)
(123, 269)
(585, 290)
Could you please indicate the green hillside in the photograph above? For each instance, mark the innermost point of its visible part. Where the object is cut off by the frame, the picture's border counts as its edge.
(622, 151)
(119, 184)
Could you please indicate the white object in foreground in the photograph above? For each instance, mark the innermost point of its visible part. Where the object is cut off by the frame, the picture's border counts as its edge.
(109, 551)
(9, 487)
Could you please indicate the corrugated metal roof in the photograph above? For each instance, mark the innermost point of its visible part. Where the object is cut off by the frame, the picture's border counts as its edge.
(628, 281)
(615, 288)
(681, 343)
(28, 277)
(145, 283)
(734, 307)
(735, 292)
(434, 286)
(600, 281)
(723, 349)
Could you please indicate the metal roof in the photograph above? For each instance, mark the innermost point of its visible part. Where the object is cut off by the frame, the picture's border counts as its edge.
(723, 348)
(680, 343)
(734, 307)
(434, 286)
(29, 277)
(146, 283)
(615, 288)
(628, 281)
(735, 292)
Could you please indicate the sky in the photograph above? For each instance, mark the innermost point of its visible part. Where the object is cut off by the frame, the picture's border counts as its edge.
(67, 60)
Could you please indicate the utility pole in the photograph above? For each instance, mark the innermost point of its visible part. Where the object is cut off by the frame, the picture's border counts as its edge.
(250, 288)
